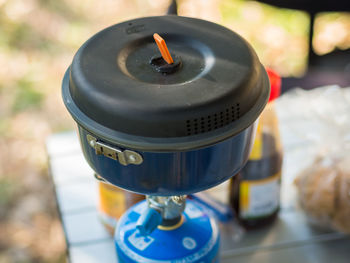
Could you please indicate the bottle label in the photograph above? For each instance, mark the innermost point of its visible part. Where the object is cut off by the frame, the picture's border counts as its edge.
(257, 148)
(111, 201)
(259, 198)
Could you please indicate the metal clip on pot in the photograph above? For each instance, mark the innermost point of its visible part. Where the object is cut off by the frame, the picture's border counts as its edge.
(124, 157)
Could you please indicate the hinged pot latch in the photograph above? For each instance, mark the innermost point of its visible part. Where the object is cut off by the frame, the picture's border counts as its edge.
(124, 157)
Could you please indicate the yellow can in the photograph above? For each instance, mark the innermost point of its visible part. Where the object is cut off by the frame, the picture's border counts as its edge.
(113, 202)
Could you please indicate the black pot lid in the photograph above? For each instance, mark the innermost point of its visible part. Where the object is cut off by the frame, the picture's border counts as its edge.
(217, 88)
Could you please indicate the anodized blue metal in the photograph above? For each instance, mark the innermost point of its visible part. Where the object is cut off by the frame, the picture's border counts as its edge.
(149, 221)
(174, 173)
(196, 240)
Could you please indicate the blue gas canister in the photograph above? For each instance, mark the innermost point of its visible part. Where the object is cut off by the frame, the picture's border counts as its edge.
(194, 239)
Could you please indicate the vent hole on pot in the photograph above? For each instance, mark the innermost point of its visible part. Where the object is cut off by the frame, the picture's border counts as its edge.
(214, 121)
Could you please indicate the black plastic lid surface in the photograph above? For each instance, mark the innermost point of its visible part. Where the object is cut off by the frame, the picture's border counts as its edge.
(218, 88)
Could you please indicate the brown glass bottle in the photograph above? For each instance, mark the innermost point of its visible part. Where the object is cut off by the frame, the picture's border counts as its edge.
(255, 173)
(255, 191)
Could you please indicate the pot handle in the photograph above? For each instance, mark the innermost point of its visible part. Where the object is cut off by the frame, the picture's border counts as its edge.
(124, 157)
(99, 178)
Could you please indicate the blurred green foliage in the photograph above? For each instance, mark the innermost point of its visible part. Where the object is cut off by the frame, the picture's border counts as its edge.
(8, 190)
(26, 96)
(295, 22)
(4, 126)
(21, 36)
(279, 36)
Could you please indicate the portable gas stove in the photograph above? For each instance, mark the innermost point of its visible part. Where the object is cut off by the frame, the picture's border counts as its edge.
(166, 124)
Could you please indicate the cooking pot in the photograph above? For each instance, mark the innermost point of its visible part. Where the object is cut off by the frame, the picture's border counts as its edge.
(166, 129)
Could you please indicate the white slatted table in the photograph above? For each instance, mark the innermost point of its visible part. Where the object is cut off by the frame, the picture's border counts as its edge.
(289, 239)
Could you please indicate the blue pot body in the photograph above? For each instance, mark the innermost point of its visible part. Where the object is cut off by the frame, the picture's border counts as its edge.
(173, 173)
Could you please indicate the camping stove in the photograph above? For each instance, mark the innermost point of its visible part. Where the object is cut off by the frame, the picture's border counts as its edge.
(166, 120)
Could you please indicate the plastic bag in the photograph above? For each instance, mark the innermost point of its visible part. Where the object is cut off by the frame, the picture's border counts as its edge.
(323, 188)
(324, 192)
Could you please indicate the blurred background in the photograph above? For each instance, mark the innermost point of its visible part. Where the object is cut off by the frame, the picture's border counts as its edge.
(38, 39)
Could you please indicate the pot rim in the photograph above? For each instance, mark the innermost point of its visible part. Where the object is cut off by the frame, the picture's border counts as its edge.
(156, 144)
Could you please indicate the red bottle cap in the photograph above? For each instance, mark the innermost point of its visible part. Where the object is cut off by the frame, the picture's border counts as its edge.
(275, 82)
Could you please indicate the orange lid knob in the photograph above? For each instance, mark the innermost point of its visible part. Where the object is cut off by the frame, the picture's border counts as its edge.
(163, 48)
